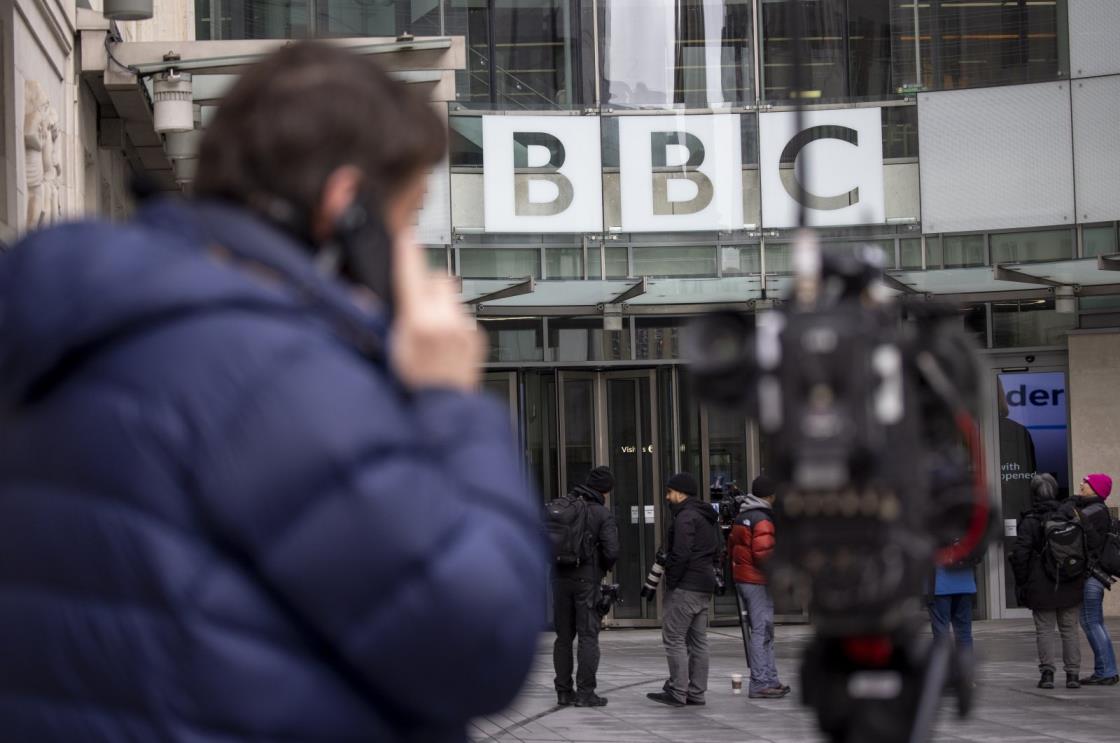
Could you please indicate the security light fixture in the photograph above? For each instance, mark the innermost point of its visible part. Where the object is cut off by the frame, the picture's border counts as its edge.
(127, 10)
(173, 102)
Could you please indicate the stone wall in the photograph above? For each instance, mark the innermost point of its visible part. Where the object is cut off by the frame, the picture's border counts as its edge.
(50, 159)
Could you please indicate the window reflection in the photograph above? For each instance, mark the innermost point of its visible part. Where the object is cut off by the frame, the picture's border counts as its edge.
(696, 53)
(1029, 322)
(583, 339)
(521, 54)
(513, 339)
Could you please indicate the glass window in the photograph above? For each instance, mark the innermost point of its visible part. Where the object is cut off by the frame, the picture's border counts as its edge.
(465, 141)
(885, 249)
(513, 339)
(823, 54)
(1029, 322)
(778, 258)
(910, 252)
(696, 53)
(698, 261)
(563, 263)
(583, 339)
(962, 250)
(499, 263)
(739, 260)
(1048, 245)
(900, 131)
(384, 18)
(527, 56)
(978, 42)
(618, 263)
(659, 337)
(594, 262)
(540, 430)
(437, 258)
(870, 66)
(974, 319)
(1100, 240)
(252, 19)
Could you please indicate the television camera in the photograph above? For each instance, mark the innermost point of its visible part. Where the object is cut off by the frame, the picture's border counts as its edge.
(870, 405)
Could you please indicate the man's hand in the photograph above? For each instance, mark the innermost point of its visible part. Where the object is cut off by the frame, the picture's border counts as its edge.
(435, 343)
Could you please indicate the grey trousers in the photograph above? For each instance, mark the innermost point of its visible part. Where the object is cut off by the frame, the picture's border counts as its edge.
(759, 610)
(1047, 638)
(684, 631)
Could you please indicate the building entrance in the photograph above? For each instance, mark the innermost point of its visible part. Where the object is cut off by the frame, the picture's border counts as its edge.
(1026, 433)
(612, 417)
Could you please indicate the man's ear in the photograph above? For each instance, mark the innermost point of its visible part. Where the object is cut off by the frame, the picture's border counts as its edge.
(339, 192)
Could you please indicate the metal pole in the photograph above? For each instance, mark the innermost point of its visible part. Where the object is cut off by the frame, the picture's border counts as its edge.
(917, 48)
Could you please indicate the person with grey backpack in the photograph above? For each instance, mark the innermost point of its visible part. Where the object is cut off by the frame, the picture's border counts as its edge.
(1049, 565)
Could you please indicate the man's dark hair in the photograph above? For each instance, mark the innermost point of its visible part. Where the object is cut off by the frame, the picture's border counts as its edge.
(301, 113)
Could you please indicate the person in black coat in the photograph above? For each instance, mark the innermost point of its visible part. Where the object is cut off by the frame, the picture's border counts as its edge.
(690, 580)
(1052, 603)
(575, 592)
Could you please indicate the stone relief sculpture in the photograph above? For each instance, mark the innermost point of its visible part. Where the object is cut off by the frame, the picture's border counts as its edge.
(42, 157)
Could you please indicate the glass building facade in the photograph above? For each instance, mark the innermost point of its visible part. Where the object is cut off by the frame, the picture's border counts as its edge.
(972, 116)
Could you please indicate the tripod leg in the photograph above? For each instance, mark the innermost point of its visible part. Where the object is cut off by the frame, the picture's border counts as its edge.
(744, 623)
(932, 682)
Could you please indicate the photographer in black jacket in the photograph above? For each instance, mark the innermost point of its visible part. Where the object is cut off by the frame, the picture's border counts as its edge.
(690, 581)
(575, 591)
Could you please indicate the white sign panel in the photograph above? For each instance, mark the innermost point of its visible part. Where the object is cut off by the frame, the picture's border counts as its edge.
(680, 173)
(542, 174)
(844, 151)
(434, 220)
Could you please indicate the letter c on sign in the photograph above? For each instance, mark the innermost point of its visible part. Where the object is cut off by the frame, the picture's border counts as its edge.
(788, 174)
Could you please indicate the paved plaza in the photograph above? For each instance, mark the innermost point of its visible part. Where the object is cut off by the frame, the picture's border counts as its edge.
(1009, 709)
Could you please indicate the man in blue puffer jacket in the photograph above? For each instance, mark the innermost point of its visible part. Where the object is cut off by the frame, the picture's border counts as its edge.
(236, 501)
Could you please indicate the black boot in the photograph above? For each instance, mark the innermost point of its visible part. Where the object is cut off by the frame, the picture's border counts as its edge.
(1047, 680)
(565, 698)
(1072, 682)
(590, 699)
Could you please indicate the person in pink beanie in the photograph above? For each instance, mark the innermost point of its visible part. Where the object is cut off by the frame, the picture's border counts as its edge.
(1100, 484)
(1097, 521)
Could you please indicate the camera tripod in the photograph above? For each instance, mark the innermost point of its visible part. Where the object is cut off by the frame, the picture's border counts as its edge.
(883, 689)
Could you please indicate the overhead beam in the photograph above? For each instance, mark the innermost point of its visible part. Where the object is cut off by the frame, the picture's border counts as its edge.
(231, 57)
(1002, 273)
(638, 289)
(524, 286)
(897, 285)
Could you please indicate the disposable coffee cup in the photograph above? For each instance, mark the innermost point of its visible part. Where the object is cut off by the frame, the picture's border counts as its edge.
(736, 683)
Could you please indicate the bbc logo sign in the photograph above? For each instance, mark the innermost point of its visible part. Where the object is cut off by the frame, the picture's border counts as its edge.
(681, 172)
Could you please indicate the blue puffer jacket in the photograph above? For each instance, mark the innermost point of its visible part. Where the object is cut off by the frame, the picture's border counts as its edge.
(222, 520)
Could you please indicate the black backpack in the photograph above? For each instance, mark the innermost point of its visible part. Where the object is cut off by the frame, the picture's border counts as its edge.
(1064, 557)
(1109, 558)
(567, 518)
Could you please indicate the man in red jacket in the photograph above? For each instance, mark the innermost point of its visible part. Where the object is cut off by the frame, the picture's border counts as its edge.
(751, 544)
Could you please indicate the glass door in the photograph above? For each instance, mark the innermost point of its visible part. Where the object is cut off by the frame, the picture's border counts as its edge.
(578, 405)
(631, 430)
(1028, 433)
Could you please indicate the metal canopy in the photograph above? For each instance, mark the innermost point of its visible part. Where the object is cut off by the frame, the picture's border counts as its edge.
(119, 76)
(1080, 272)
(213, 63)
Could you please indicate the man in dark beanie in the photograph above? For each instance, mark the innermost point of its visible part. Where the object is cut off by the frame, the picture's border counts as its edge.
(575, 592)
(692, 550)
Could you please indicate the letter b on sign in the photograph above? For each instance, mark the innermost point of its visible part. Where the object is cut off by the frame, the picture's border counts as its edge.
(542, 174)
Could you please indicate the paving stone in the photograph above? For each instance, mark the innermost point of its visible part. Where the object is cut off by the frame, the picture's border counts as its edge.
(1009, 708)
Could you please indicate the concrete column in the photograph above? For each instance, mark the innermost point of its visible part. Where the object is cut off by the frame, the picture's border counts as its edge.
(1094, 395)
